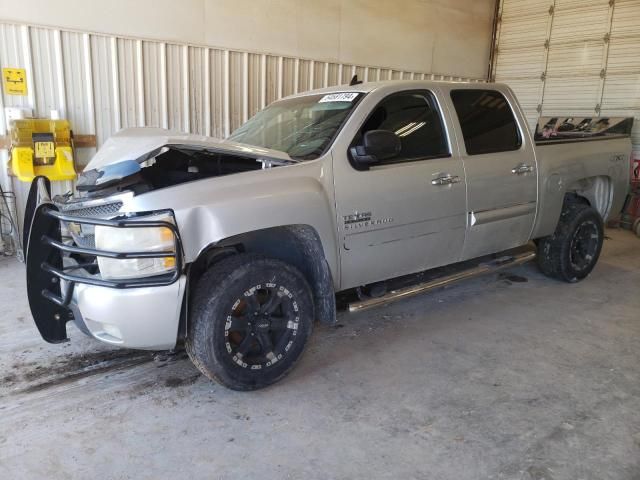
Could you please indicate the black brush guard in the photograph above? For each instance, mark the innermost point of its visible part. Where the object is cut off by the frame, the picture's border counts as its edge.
(50, 306)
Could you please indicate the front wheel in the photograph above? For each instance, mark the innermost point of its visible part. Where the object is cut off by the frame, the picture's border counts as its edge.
(574, 248)
(250, 322)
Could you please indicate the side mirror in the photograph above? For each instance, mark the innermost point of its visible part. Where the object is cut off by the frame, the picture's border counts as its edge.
(377, 145)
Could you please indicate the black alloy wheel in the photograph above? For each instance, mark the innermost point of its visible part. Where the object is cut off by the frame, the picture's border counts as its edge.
(262, 326)
(251, 319)
(584, 245)
(572, 252)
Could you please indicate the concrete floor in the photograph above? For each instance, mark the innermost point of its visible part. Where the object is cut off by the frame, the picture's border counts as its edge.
(493, 378)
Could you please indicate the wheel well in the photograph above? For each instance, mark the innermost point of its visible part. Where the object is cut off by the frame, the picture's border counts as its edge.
(298, 245)
(573, 197)
(594, 191)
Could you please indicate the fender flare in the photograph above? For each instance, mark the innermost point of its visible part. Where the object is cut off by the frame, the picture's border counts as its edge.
(297, 245)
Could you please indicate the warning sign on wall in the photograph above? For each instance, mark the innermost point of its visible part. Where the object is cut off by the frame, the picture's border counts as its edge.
(14, 81)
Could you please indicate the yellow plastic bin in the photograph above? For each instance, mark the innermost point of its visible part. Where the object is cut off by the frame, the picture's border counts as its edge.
(40, 146)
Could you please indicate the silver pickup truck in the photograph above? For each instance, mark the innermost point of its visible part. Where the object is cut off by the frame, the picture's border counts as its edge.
(235, 247)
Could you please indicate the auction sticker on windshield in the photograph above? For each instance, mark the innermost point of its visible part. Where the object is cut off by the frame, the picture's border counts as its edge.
(339, 97)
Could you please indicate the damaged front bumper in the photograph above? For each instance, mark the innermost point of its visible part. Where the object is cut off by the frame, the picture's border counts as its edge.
(64, 281)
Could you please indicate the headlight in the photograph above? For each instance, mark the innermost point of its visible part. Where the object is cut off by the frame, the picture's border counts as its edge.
(135, 239)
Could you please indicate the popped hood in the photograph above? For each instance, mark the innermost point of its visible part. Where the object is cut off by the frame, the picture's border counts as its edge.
(142, 143)
(178, 158)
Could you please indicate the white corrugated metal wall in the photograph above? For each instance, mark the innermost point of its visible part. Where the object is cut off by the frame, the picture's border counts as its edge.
(104, 83)
(571, 57)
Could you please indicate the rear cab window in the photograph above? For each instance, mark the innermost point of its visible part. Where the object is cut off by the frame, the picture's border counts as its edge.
(487, 121)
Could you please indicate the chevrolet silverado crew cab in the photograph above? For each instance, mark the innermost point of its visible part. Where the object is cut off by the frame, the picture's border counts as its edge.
(235, 247)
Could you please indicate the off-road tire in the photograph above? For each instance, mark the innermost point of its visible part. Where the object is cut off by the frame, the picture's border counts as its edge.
(219, 291)
(556, 252)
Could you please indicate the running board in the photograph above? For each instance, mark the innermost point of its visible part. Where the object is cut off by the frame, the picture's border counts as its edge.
(482, 269)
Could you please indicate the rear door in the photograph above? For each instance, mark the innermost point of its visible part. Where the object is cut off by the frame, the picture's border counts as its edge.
(405, 214)
(500, 167)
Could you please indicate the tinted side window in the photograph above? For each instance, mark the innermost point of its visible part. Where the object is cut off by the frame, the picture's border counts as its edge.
(415, 118)
(487, 122)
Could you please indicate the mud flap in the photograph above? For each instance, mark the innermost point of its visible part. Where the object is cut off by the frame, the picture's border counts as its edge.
(50, 318)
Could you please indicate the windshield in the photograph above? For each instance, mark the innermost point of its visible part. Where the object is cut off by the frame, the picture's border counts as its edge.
(303, 127)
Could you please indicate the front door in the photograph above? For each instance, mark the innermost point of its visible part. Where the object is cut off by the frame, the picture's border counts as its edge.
(501, 171)
(406, 214)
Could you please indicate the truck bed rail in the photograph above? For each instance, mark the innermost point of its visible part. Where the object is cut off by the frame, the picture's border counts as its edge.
(554, 130)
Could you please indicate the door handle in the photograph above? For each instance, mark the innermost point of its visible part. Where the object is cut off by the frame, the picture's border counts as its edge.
(522, 169)
(447, 179)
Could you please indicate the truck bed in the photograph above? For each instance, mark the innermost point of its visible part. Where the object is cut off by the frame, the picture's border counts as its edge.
(592, 161)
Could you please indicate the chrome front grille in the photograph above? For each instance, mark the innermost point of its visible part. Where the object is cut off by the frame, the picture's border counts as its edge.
(96, 211)
(86, 240)
(83, 234)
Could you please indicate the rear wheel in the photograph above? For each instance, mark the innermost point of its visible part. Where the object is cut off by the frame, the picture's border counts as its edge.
(251, 319)
(572, 252)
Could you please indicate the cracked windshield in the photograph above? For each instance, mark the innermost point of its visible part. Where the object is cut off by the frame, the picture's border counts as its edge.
(303, 127)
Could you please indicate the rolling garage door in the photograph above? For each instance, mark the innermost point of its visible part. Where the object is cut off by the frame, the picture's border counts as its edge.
(571, 57)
